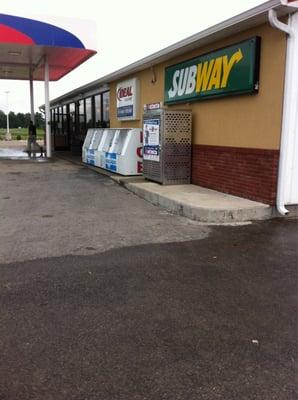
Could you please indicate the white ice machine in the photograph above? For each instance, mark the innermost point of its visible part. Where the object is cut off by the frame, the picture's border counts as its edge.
(117, 150)
(90, 145)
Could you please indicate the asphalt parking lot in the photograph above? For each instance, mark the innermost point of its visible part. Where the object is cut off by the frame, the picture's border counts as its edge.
(104, 296)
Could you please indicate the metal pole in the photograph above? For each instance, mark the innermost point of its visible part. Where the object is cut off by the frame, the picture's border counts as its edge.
(8, 134)
(47, 107)
(32, 98)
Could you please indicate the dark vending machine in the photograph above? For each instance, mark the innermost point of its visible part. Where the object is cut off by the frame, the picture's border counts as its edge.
(167, 146)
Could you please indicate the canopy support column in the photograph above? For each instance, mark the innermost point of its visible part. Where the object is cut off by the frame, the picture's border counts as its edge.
(47, 107)
(32, 98)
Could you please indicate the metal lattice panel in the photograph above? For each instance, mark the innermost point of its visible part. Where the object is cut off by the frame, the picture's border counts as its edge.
(177, 147)
(174, 166)
(177, 126)
(152, 170)
(177, 173)
(180, 149)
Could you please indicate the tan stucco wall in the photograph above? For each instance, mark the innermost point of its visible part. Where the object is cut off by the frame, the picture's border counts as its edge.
(239, 121)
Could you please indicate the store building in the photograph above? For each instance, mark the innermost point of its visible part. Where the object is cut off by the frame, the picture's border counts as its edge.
(237, 78)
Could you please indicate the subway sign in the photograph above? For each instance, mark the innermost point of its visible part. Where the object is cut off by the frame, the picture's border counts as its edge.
(227, 71)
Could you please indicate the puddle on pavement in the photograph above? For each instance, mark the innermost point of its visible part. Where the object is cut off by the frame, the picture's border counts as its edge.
(13, 153)
(19, 154)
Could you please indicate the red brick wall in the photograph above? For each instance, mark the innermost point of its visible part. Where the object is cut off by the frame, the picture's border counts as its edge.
(243, 172)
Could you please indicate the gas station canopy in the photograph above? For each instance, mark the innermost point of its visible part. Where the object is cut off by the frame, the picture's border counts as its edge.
(34, 50)
(24, 43)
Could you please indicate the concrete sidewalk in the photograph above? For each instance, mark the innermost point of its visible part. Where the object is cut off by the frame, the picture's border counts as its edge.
(199, 203)
(191, 201)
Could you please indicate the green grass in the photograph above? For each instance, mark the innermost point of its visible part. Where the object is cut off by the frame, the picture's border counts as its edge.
(23, 132)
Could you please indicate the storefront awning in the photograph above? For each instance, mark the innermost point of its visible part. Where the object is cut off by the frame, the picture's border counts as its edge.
(24, 43)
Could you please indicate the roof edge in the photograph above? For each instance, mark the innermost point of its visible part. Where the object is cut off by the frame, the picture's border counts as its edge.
(197, 37)
(212, 33)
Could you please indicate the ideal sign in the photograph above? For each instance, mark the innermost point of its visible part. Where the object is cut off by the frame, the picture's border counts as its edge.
(127, 94)
(232, 70)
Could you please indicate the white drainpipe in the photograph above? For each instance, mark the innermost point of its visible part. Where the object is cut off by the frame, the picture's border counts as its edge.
(289, 112)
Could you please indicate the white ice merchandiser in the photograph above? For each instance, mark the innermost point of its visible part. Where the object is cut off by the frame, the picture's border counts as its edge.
(125, 153)
(167, 146)
(86, 144)
(104, 147)
(91, 142)
(118, 150)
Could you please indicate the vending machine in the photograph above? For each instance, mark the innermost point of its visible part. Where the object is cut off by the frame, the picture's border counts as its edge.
(167, 146)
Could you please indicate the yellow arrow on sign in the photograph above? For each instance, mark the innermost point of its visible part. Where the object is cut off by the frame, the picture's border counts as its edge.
(228, 65)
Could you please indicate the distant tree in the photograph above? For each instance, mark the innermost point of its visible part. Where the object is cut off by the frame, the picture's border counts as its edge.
(21, 120)
(12, 120)
(39, 120)
(2, 119)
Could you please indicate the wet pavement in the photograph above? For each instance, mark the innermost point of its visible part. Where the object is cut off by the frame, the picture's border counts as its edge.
(104, 296)
(16, 150)
(13, 154)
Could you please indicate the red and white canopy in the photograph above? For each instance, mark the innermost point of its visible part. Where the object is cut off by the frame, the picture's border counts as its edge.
(24, 43)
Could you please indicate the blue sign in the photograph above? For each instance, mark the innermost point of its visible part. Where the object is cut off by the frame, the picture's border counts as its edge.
(91, 157)
(125, 111)
(111, 161)
(151, 150)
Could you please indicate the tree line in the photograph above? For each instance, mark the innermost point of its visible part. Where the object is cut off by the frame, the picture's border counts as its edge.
(21, 120)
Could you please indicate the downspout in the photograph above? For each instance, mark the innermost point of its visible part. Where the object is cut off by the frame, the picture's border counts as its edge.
(282, 169)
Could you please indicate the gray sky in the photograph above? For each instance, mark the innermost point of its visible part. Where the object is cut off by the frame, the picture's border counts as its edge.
(126, 31)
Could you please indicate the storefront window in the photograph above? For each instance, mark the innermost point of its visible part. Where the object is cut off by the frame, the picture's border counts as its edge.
(72, 108)
(64, 120)
(72, 120)
(97, 100)
(89, 119)
(81, 117)
(52, 120)
(106, 109)
(57, 120)
(60, 125)
(102, 110)
(81, 107)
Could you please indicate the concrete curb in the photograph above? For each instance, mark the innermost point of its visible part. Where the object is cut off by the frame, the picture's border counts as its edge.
(250, 211)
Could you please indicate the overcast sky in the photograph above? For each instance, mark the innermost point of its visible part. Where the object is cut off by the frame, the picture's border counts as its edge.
(126, 31)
